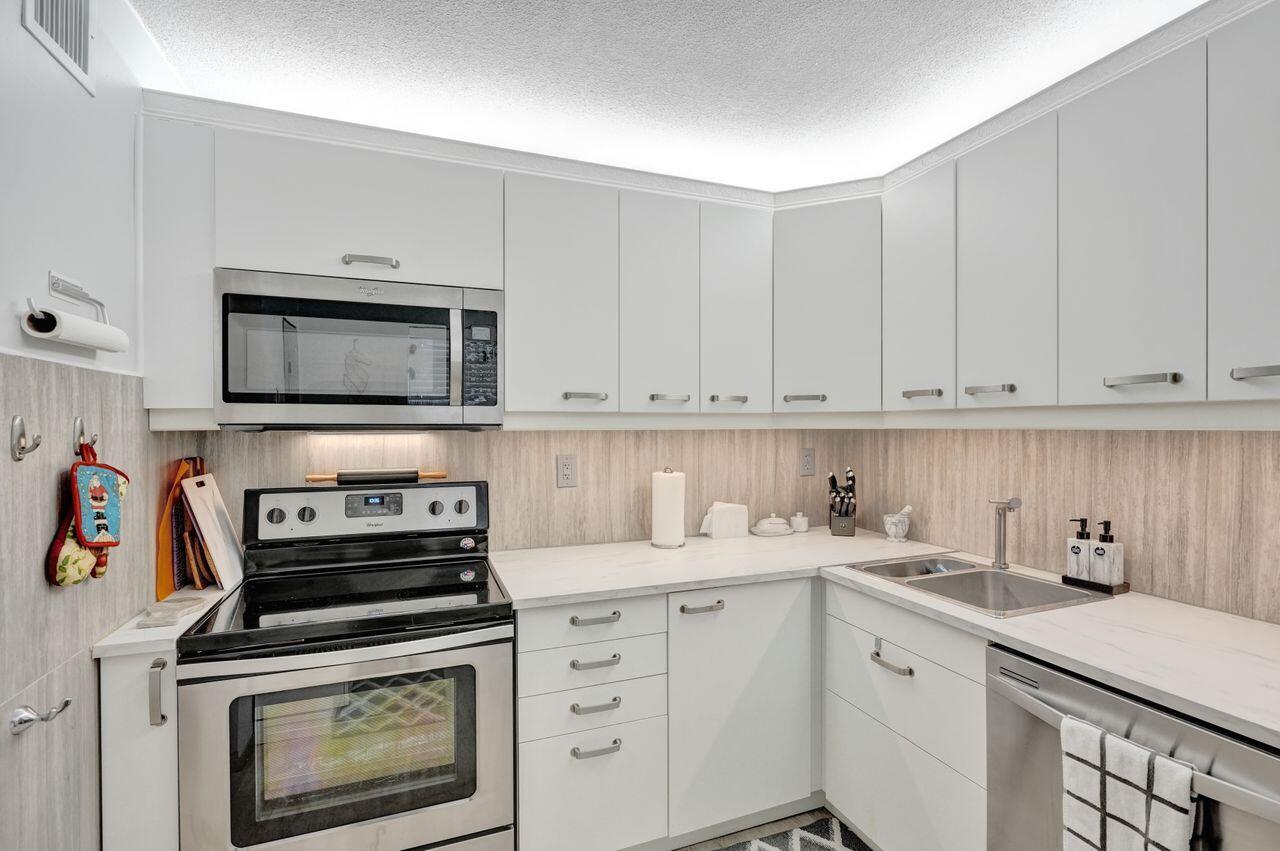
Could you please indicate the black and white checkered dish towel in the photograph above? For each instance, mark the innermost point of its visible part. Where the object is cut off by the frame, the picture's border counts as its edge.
(1120, 796)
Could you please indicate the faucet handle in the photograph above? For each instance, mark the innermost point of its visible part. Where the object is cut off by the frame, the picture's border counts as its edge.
(1013, 503)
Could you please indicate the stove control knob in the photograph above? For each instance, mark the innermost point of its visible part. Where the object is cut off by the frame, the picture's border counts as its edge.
(467, 543)
(462, 506)
(306, 514)
(436, 508)
(276, 516)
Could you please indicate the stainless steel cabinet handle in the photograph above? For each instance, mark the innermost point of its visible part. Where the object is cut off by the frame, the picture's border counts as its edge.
(348, 259)
(24, 717)
(1145, 378)
(975, 389)
(908, 671)
(716, 397)
(1242, 372)
(927, 391)
(599, 397)
(717, 606)
(579, 709)
(668, 397)
(154, 684)
(591, 666)
(805, 397)
(579, 753)
(613, 617)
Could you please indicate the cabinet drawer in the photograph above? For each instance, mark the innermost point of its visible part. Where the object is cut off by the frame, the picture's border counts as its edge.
(560, 668)
(949, 647)
(584, 623)
(909, 704)
(901, 798)
(610, 800)
(595, 706)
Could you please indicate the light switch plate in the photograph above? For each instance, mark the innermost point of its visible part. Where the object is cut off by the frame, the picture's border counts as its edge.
(807, 467)
(566, 471)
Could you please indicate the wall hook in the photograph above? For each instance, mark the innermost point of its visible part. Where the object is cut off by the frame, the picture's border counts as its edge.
(24, 716)
(19, 445)
(77, 431)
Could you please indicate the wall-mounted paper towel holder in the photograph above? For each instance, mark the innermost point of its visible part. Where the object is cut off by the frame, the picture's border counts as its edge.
(70, 328)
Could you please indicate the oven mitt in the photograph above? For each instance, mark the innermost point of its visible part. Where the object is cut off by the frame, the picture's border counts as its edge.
(91, 521)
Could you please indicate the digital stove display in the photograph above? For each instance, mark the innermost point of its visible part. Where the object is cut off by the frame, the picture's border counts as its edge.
(374, 504)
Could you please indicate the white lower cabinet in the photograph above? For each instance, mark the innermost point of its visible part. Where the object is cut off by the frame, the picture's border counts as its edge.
(594, 791)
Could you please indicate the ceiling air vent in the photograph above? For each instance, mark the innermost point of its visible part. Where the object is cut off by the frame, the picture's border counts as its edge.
(64, 27)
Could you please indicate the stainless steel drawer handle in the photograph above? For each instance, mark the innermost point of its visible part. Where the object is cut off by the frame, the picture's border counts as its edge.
(1145, 378)
(612, 617)
(669, 397)
(348, 259)
(805, 397)
(601, 663)
(579, 753)
(717, 606)
(579, 709)
(598, 397)
(975, 389)
(1242, 372)
(24, 717)
(927, 391)
(154, 685)
(716, 397)
(908, 671)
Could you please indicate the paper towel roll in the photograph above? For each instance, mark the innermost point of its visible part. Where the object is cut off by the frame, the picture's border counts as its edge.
(75, 330)
(668, 509)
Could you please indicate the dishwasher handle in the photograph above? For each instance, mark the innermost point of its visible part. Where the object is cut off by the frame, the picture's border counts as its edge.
(1202, 784)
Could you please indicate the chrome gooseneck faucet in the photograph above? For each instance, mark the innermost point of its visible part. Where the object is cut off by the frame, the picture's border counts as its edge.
(1003, 508)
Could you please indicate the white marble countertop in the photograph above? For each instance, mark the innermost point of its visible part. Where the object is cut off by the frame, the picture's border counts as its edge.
(553, 575)
(129, 639)
(1219, 668)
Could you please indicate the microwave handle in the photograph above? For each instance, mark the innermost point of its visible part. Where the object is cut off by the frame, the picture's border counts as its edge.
(455, 357)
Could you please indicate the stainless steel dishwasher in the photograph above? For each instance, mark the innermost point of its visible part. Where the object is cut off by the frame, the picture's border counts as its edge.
(1238, 781)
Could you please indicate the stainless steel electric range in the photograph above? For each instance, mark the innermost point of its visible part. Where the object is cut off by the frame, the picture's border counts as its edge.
(356, 691)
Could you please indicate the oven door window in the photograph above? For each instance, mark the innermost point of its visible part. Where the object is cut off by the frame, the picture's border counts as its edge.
(309, 351)
(314, 758)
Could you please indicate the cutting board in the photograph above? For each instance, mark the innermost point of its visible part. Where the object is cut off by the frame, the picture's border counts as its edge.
(213, 522)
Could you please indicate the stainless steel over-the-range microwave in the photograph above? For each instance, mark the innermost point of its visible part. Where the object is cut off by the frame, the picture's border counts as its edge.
(311, 352)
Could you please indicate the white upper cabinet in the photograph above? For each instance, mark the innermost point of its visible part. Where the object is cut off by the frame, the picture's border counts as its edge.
(1244, 208)
(561, 295)
(920, 292)
(737, 309)
(658, 297)
(826, 307)
(291, 205)
(1131, 309)
(1007, 270)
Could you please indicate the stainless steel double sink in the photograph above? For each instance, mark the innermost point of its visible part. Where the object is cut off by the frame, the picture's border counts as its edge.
(997, 593)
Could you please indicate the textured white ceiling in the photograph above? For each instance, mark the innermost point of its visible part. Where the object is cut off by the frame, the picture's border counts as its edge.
(768, 94)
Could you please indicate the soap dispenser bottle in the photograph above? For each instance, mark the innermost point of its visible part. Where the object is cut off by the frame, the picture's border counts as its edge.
(1078, 554)
(1106, 561)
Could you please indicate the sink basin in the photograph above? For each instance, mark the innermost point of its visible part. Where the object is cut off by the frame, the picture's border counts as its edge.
(1000, 593)
(916, 567)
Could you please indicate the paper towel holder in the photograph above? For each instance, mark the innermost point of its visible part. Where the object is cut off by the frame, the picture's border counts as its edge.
(59, 285)
(50, 324)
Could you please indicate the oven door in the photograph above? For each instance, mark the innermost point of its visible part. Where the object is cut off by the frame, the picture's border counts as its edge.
(383, 753)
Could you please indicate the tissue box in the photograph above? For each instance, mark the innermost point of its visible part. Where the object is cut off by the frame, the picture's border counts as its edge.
(725, 520)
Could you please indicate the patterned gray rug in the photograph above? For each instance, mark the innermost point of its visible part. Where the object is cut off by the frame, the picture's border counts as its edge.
(825, 834)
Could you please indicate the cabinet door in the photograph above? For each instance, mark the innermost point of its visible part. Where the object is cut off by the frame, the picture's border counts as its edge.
(562, 295)
(1244, 208)
(177, 264)
(739, 700)
(290, 205)
(920, 292)
(1132, 236)
(1007, 270)
(737, 309)
(826, 307)
(658, 297)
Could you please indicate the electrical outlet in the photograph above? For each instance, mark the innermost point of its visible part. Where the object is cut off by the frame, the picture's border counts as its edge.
(566, 471)
(807, 467)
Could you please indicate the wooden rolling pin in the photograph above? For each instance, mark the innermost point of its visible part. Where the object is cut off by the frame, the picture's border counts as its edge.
(388, 476)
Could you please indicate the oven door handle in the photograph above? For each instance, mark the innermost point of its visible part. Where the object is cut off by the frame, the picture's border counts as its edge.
(1262, 806)
(302, 662)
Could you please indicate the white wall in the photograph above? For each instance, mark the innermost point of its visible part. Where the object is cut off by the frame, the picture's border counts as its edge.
(66, 189)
